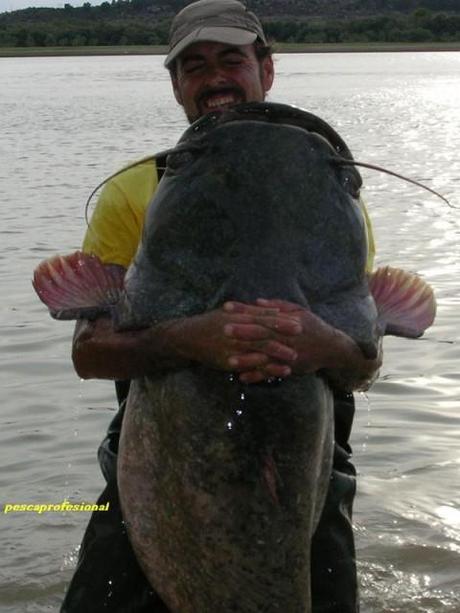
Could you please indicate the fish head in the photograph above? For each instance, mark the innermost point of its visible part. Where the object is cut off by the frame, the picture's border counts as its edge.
(251, 209)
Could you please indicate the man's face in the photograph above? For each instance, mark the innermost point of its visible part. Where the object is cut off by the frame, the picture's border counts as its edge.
(212, 76)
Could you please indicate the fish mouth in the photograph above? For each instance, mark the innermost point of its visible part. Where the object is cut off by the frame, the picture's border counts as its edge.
(219, 99)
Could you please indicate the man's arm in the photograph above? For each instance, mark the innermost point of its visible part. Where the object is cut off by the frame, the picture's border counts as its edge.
(271, 339)
(99, 351)
(319, 347)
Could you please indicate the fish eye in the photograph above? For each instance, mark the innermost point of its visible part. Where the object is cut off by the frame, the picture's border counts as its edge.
(351, 181)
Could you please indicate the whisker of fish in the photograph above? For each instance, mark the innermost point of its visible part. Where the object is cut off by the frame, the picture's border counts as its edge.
(115, 174)
(345, 162)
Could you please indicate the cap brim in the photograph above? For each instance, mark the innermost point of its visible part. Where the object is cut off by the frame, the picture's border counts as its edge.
(230, 36)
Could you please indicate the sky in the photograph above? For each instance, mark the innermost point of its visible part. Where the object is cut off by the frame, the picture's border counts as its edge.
(16, 5)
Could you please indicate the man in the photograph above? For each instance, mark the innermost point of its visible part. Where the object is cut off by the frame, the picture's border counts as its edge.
(218, 57)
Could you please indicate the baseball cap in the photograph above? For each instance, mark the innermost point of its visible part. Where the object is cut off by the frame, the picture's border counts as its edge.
(220, 21)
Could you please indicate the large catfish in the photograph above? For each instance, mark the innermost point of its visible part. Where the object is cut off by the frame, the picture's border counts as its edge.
(222, 484)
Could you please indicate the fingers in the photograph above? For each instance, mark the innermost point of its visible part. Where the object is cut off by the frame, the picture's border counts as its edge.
(247, 332)
(253, 376)
(245, 343)
(269, 371)
(263, 307)
(253, 359)
(256, 367)
(280, 352)
(250, 309)
(282, 305)
(247, 361)
(263, 328)
(278, 370)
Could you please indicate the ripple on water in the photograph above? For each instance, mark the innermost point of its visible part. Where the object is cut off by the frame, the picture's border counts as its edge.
(81, 119)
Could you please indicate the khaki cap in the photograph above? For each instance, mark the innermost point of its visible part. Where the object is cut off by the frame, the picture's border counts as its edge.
(220, 21)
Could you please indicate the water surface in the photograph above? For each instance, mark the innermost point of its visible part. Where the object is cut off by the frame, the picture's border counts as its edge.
(68, 122)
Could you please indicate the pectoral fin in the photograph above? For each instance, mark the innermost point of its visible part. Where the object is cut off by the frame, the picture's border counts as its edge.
(78, 285)
(405, 303)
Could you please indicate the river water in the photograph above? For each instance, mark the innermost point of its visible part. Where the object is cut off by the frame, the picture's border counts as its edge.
(66, 123)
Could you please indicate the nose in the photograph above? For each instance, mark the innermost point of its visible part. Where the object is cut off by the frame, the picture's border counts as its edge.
(215, 76)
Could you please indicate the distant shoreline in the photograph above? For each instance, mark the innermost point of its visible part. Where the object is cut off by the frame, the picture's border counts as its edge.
(278, 48)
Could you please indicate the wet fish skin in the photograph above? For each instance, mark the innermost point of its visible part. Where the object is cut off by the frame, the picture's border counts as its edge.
(220, 501)
(221, 495)
(223, 226)
(221, 480)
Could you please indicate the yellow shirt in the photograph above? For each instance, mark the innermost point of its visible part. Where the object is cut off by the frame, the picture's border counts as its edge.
(115, 229)
(116, 225)
(369, 237)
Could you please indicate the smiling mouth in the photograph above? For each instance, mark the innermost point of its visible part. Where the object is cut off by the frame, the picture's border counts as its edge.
(219, 100)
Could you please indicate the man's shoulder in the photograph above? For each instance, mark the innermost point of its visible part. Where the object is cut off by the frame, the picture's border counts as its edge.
(140, 172)
(117, 220)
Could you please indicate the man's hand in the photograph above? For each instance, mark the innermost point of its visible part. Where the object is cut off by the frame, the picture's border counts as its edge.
(99, 351)
(272, 338)
(318, 346)
(231, 340)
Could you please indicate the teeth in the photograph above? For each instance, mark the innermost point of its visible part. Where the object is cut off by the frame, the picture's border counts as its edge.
(220, 101)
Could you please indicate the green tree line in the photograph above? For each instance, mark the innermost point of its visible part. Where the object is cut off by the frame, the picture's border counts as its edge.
(421, 26)
(139, 22)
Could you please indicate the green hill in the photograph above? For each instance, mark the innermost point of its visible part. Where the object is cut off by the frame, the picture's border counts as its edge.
(146, 22)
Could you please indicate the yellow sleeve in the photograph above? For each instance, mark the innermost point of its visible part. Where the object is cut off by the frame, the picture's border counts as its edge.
(115, 229)
(369, 237)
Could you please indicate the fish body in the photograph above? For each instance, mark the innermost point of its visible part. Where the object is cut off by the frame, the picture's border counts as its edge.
(248, 210)
(222, 484)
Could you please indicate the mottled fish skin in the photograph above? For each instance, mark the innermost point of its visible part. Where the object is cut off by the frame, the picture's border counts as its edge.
(222, 484)
(211, 529)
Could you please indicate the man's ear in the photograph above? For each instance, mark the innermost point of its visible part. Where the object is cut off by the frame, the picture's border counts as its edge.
(267, 73)
(176, 90)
